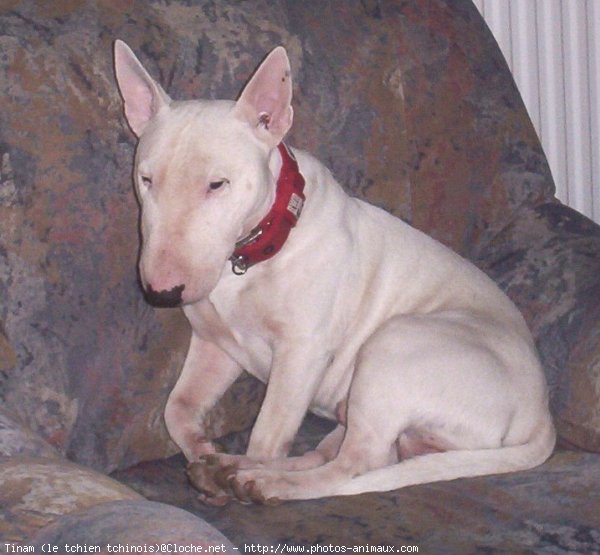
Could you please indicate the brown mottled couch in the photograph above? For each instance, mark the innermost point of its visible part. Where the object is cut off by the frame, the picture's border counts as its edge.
(413, 108)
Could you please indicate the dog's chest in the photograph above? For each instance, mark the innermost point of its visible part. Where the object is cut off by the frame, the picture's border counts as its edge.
(243, 322)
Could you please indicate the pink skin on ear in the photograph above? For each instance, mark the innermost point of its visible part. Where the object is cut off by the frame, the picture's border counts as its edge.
(265, 102)
(142, 96)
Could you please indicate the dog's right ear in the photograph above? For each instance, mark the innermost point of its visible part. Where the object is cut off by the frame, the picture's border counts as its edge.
(142, 96)
(265, 102)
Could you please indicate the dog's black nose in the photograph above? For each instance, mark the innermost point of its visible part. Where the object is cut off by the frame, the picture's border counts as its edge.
(166, 298)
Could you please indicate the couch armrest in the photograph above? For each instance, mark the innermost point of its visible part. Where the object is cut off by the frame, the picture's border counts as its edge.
(548, 260)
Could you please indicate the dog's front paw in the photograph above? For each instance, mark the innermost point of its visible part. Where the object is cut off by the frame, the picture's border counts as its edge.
(210, 479)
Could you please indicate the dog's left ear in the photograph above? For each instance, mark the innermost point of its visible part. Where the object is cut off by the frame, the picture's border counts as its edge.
(265, 102)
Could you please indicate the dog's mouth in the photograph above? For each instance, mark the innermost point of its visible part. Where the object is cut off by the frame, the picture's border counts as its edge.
(170, 298)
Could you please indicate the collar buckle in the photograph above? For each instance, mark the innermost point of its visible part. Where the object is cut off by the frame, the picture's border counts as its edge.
(250, 238)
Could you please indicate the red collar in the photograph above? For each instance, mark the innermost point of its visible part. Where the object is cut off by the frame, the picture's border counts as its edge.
(267, 238)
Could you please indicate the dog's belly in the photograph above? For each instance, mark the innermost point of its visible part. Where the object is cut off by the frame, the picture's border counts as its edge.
(333, 390)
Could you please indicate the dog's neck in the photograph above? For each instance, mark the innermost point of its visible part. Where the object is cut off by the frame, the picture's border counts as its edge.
(269, 236)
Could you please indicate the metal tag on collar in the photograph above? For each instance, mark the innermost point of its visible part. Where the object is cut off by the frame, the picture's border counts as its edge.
(295, 205)
(239, 265)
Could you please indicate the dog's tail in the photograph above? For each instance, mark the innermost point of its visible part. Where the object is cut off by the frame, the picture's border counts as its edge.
(450, 465)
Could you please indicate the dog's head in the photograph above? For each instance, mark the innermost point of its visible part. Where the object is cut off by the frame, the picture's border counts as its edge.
(204, 172)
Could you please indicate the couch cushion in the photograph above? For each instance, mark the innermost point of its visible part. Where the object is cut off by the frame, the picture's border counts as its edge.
(36, 491)
(133, 527)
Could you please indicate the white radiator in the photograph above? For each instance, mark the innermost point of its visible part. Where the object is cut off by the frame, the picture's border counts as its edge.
(553, 49)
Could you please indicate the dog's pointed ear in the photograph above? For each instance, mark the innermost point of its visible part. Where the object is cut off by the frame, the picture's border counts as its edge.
(142, 96)
(265, 102)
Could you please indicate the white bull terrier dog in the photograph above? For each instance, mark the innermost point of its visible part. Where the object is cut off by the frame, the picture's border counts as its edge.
(341, 308)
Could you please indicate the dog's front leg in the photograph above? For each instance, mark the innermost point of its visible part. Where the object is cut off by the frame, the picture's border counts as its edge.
(294, 378)
(296, 374)
(207, 373)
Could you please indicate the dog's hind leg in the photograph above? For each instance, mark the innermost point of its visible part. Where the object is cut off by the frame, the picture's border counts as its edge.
(325, 451)
(454, 464)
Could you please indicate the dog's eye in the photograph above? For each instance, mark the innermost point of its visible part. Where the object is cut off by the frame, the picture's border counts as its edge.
(146, 181)
(214, 185)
